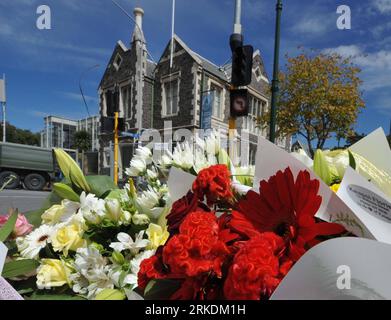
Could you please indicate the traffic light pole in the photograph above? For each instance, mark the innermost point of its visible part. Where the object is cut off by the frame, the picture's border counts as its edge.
(235, 41)
(116, 147)
(275, 82)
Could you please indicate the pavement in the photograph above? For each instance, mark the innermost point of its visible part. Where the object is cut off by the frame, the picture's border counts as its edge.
(22, 200)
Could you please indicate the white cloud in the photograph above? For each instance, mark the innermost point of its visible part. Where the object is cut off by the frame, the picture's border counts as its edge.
(311, 25)
(345, 51)
(384, 6)
(379, 60)
(376, 66)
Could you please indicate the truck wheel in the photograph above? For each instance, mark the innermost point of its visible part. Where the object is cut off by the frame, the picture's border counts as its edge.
(5, 176)
(34, 181)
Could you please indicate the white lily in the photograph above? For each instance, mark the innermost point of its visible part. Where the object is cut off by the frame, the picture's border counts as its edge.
(92, 208)
(127, 243)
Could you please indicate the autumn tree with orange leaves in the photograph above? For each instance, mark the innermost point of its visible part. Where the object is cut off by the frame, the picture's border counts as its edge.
(319, 98)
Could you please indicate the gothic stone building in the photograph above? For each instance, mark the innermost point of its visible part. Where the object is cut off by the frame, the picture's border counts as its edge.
(172, 90)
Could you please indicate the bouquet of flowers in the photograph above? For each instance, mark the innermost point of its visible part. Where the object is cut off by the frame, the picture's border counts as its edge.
(221, 240)
(89, 241)
(226, 246)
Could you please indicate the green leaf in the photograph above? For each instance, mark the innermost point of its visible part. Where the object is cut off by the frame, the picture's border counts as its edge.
(64, 191)
(110, 294)
(41, 296)
(160, 289)
(19, 268)
(114, 194)
(34, 217)
(8, 227)
(352, 161)
(321, 167)
(71, 170)
(101, 185)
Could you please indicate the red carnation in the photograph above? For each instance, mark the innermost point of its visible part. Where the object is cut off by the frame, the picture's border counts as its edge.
(255, 270)
(181, 208)
(287, 208)
(214, 183)
(197, 249)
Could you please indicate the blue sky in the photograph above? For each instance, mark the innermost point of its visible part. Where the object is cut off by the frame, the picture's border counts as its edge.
(43, 66)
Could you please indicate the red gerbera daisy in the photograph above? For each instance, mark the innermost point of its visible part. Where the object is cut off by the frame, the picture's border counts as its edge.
(286, 207)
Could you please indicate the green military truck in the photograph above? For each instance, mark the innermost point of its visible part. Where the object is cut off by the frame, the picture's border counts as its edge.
(26, 166)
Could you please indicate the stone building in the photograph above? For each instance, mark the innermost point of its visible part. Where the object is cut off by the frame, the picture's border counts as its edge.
(173, 89)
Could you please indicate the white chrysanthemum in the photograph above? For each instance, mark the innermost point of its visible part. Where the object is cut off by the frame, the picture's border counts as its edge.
(30, 246)
(152, 174)
(137, 167)
(183, 156)
(148, 199)
(143, 153)
(166, 160)
(92, 208)
(127, 243)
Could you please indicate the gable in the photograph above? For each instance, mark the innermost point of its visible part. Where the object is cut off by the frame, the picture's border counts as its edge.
(258, 64)
(179, 48)
(117, 68)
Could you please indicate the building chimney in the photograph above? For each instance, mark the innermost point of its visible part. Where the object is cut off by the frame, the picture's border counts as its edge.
(138, 34)
(138, 16)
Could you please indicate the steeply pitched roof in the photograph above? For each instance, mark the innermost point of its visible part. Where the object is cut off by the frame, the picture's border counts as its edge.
(222, 72)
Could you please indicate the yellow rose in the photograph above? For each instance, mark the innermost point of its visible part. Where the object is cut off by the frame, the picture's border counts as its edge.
(60, 212)
(157, 236)
(335, 187)
(53, 214)
(52, 273)
(68, 238)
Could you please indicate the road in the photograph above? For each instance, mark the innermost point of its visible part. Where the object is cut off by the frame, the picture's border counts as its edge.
(23, 200)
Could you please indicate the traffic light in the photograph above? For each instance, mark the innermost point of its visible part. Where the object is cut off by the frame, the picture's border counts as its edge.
(242, 66)
(107, 124)
(112, 104)
(239, 103)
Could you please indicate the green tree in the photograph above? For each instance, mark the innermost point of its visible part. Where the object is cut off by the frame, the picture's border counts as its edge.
(353, 138)
(82, 141)
(21, 136)
(319, 98)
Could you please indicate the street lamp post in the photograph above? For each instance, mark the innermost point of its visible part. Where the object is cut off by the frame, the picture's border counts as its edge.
(275, 81)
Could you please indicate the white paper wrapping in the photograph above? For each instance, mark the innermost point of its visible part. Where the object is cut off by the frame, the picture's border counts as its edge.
(317, 275)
